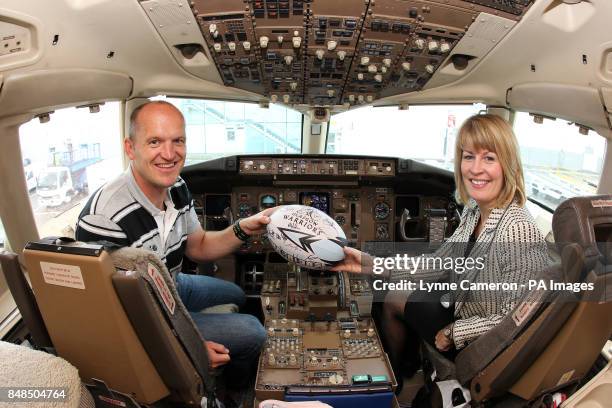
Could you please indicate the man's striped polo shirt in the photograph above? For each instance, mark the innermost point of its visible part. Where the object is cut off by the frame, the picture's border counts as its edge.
(119, 212)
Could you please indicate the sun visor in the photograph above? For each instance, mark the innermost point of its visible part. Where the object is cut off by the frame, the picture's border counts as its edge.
(573, 103)
(49, 89)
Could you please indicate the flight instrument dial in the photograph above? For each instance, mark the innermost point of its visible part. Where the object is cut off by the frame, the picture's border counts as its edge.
(381, 211)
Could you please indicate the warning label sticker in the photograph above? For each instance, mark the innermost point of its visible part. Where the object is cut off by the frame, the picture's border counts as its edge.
(62, 275)
(162, 288)
(601, 203)
(523, 311)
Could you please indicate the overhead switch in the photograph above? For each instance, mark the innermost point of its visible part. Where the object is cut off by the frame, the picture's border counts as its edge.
(341, 55)
(331, 45)
(246, 45)
(320, 54)
(406, 66)
(372, 68)
(297, 41)
(365, 60)
(263, 41)
(288, 59)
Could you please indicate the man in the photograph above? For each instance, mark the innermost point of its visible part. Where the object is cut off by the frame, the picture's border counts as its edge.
(150, 207)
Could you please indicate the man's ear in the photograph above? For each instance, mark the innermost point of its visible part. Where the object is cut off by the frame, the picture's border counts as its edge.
(128, 146)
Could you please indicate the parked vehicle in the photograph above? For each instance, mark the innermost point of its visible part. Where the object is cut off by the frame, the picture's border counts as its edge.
(59, 183)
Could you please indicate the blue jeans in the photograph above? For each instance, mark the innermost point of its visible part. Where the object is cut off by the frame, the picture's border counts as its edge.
(242, 334)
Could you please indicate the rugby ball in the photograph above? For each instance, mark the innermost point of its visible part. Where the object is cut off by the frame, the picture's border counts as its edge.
(306, 236)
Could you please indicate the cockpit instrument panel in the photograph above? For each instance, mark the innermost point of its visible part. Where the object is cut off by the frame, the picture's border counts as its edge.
(300, 166)
(324, 53)
(320, 201)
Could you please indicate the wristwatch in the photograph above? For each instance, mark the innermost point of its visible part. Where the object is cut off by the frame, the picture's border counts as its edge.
(448, 332)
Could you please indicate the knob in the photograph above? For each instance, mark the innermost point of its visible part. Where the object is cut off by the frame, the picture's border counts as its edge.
(273, 98)
(232, 46)
(378, 78)
(420, 43)
(212, 28)
(360, 98)
(296, 331)
(365, 60)
(288, 59)
(369, 98)
(383, 70)
(406, 66)
(352, 98)
(372, 68)
(433, 46)
(320, 54)
(370, 332)
(331, 45)
(217, 47)
(347, 332)
(330, 92)
(246, 45)
(279, 39)
(267, 299)
(334, 360)
(429, 68)
(314, 360)
(292, 359)
(286, 98)
(341, 55)
(297, 42)
(387, 62)
(271, 331)
(444, 47)
(271, 359)
(293, 86)
(263, 41)
(360, 76)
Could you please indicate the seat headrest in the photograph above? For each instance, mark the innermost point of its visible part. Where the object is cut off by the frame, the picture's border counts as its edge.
(585, 221)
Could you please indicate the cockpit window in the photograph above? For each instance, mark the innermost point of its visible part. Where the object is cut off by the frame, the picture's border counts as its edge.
(425, 133)
(66, 160)
(559, 162)
(219, 128)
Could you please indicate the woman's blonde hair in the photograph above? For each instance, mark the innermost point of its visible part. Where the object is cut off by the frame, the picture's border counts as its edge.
(492, 133)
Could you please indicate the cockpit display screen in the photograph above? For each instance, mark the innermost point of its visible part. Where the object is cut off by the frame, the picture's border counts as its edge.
(319, 201)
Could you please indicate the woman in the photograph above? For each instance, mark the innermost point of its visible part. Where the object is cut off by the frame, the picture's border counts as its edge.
(490, 184)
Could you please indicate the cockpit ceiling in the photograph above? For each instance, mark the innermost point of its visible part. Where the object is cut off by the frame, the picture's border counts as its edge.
(324, 52)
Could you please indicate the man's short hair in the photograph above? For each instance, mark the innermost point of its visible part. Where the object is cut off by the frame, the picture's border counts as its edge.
(134, 116)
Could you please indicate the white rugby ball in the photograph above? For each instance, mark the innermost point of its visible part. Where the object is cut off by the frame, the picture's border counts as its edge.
(306, 236)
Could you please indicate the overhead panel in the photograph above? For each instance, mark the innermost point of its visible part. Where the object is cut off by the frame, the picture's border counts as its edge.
(324, 53)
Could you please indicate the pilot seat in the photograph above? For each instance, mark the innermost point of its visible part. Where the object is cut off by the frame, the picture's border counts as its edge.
(116, 316)
(552, 337)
